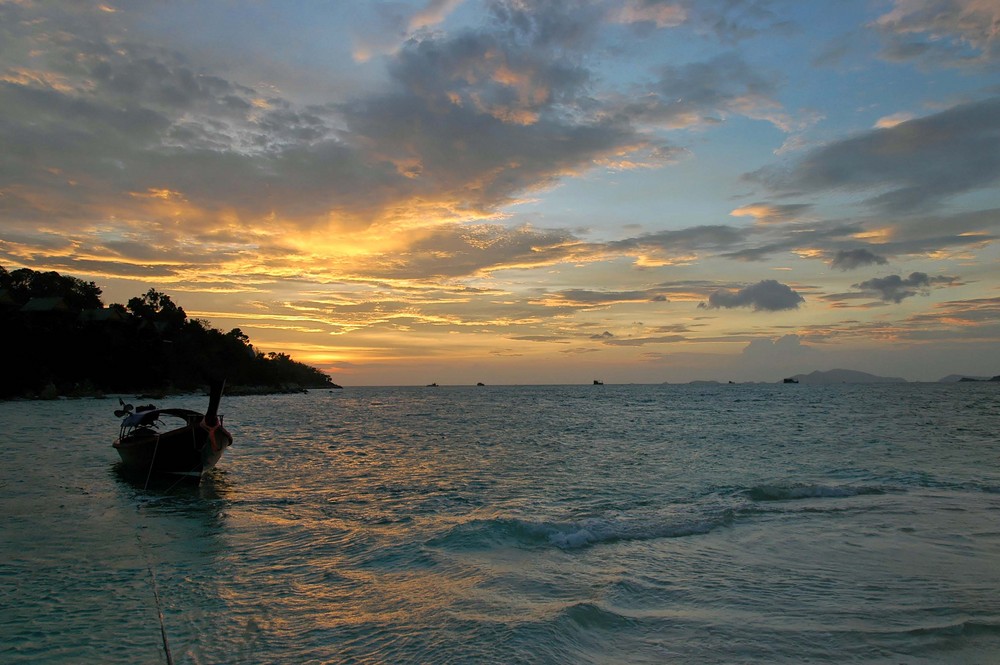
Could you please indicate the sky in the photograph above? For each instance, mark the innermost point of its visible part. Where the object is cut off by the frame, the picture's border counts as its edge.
(523, 191)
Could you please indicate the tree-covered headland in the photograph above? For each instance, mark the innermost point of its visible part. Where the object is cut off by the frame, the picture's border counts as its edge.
(60, 339)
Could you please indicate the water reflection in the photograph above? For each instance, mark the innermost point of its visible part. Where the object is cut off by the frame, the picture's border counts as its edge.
(212, 485)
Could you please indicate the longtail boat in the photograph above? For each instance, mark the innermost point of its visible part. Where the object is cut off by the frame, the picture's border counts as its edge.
(155, 441)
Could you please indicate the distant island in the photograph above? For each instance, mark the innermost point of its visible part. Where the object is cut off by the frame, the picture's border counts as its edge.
(842, 376)
(855, 376)
(835, 376)
(61, 340)
(960, 378)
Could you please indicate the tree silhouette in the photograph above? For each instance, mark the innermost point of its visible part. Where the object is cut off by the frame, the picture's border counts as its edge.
(70, 342)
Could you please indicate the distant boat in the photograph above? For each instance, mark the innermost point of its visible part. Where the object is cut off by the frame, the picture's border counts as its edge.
(432, 385)
(480, 384)
(173, 441)
(791, 380)
(598, 383)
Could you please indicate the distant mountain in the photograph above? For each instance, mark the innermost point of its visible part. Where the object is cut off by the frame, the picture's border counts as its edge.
(955, 378)
(844, 376)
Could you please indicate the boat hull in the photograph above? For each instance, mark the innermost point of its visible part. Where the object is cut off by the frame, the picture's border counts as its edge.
(189, 450)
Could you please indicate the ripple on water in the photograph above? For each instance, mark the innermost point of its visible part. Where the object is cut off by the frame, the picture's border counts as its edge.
(639, 524)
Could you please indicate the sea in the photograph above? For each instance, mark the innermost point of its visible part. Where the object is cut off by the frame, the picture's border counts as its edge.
(612, 524)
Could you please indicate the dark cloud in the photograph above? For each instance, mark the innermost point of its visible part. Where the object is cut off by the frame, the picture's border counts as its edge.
(916, 164)
(741, 19)
(684, 241)
(731, 21)
(895, 288)
(703, 93)
(767, 295)
(850, 259)
(563, 25)
(787, 347)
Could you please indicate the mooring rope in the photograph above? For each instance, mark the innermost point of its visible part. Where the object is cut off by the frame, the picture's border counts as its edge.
(152, 462)
(149, 563)
(159, 607)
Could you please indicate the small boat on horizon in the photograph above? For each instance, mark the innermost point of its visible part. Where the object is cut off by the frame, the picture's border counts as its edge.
(173, 441)
(598, 382)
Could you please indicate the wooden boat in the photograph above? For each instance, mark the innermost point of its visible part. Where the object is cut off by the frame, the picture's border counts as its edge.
(173, 441)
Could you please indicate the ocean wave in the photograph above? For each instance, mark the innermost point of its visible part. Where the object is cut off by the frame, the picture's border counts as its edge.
(591, 616)
(793, 492)
(960, 628)
(576, 535)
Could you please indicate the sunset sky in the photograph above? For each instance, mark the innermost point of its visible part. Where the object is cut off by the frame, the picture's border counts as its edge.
(523, 191)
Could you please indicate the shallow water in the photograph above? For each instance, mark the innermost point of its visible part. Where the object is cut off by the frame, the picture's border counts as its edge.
(584, 524)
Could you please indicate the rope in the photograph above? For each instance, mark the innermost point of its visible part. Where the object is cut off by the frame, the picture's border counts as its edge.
(149, 563)
(159, 607)
(152, 462)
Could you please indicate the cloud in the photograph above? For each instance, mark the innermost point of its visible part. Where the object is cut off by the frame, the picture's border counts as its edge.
(603, 298)
(643, 341)
(955, 32)
(770, 213)
(849, 259)
(554, 339)
(385, 27)
(977, 319)
(813, 239)
(891, 121)
(704, 93)
(975, 315)
(784, 348)
(660, 14)
(433, 13)
(837, 241)
(911, 165)
(729, 21)
(895, 288)
(465, 124)
(681, 243)
(767, 295)
(457, 250)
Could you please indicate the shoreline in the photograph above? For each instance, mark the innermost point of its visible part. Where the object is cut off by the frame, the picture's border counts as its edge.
(51, 393)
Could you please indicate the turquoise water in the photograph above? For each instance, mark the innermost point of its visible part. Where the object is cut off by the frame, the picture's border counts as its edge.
(585, 524)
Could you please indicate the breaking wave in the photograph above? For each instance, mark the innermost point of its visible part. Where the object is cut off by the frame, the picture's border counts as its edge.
(515, 532)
